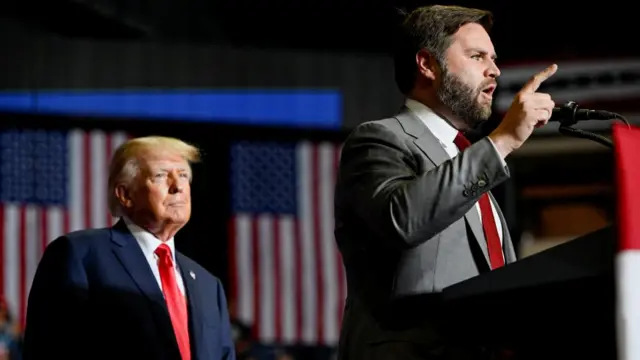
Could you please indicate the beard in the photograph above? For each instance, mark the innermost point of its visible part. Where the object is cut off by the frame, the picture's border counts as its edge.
(462, 99)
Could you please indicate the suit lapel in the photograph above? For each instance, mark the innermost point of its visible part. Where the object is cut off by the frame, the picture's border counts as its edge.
(130, 255)
(132, 259)
(475, 224)
(431, 147)
(424, 139)
(193, 301)
(507, 244)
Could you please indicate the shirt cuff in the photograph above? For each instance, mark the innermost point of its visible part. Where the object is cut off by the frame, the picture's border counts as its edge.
(504, 163)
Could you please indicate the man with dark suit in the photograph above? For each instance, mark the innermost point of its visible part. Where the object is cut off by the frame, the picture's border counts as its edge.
(413, 208)
(124, 292)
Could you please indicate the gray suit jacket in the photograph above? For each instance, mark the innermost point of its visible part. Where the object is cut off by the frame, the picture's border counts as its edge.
(406, 227)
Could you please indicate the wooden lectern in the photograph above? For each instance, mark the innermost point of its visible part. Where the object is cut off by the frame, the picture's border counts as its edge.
(561, 303)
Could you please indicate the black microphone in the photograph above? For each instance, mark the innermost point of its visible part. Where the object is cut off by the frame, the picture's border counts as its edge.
(570, 113)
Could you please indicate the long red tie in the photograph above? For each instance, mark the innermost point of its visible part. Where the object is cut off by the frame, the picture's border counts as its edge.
(176, 302)
(488, 221)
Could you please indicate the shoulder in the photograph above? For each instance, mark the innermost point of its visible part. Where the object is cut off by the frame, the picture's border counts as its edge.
(386, 134)
(89, 236)
(391, 124)
(82, 241)
(382, 131)
(67, 256)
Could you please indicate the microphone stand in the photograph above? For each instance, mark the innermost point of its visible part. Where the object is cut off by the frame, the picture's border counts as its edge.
(569, 117)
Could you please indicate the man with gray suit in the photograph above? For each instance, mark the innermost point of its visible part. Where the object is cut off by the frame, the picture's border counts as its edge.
(413, 209)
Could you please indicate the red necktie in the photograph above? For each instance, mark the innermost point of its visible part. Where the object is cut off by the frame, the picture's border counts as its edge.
(176, 302)
(488, 221)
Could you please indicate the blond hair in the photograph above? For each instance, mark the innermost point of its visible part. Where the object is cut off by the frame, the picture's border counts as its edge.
(124, 165)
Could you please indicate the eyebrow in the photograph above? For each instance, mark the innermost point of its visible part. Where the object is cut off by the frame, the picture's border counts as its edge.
(169, 170)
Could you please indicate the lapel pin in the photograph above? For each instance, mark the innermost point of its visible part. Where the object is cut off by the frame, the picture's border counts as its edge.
(193, 275)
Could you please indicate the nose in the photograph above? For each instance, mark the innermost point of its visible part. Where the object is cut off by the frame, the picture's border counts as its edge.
(175, 186)
(175, 189)
(492, 71)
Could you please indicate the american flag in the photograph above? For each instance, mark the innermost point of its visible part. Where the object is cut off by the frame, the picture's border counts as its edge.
(51, 183)
(287, 276)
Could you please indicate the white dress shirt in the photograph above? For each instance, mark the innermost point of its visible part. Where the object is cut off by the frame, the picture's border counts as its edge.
(149, 243)
(446, 134)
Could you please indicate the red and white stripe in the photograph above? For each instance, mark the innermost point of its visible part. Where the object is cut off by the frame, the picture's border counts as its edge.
(627, 142)
(288, 280)
(27, 229)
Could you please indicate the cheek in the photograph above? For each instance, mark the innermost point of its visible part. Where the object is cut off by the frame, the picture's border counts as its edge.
(186, 187)
(469, 71)
(457, 62)
(471, 80)
(156, 196)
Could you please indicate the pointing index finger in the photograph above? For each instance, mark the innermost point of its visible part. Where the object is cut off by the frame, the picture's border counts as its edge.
(534, 83)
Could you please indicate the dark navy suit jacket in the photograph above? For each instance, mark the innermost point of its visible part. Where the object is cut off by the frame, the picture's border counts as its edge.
(95, 297)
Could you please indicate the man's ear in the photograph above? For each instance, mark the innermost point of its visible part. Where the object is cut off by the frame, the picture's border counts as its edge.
(124, 196)
(426, 64)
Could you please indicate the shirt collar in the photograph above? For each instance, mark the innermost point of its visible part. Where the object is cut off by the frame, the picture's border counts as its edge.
(147, 241)
(440, 128)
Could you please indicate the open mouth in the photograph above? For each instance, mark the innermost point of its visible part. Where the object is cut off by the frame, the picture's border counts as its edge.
(489, 90)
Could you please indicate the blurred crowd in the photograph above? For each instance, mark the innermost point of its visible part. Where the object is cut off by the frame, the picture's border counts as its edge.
(249, 349)
(246, 347)
(9, 334)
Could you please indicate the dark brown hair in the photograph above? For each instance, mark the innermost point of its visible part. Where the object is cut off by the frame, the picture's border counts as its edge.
(430, 28)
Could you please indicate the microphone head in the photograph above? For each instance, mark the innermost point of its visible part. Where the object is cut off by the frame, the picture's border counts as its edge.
(566, 113)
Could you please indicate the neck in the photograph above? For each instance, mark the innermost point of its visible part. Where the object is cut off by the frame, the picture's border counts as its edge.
(430, 100)
(164, 234)
(161, 230)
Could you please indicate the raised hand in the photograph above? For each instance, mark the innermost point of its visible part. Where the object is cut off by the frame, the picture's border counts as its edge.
(529, 109)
